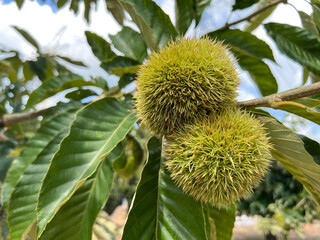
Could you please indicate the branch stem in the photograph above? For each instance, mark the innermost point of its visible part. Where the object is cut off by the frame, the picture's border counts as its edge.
(10, 119)
(283, 96)
(248, 18)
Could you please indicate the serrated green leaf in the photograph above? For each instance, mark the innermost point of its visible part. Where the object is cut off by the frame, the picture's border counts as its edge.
(100, 47)
(114, 6)
(27, 37)
(188, 10)
(289, 150)
(46, 133)
(130, 43)
(57, 84)
(120, 65)
(242, 4)
(96, 130)
(75, 219)
(162, 210)
(155, 26)
(299, 44)
(23, 201)
(223, 219)
(259, 72)
(244, 42)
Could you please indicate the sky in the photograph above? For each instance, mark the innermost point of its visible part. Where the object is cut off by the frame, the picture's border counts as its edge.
(62, 32)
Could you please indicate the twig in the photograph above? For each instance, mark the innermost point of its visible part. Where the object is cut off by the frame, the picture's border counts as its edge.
(283, 96)
(248, 18)
(10, 119)
(268, 101)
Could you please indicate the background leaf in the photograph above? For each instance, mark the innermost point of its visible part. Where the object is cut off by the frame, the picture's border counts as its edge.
(114, 6)
(23, 201)
(100, 47)
(259, 72)
(153, 23)
(97, 129)
(27, 37)
(57, 84)
(162, 210)
(299, 44)
(289, 150)
(242, 4)
(130, 43)
(46, 133)
(188, 10)
(244, 42)
(75, 219)
(257, 20)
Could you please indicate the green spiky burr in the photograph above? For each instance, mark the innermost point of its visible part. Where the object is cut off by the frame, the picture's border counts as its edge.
(183, 82)
(219, 160)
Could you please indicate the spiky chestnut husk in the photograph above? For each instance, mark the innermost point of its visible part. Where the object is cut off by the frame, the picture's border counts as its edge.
(183, 82)
(219, 161)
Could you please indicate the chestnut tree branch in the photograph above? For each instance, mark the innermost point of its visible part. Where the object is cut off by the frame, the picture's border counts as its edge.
(248, 18)
(10, 119)
(282, 96)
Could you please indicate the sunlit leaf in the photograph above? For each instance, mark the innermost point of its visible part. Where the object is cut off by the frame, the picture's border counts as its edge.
(74, 220)
(47, 132)
(97, 129)
(23, 201)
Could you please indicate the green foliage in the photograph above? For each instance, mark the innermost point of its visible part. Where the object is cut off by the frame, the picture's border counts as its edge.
(289, 150)
(229, 152)
(103, 124)
(183, 82)
(65, 162)
(299, 44)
